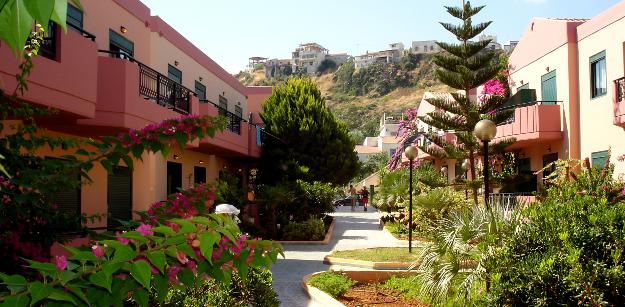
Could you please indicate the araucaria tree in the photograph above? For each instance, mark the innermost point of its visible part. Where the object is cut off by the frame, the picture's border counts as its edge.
(314, 145)
(465, 66)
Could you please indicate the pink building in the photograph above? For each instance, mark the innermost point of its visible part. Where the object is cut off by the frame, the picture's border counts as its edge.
(567, 79)
(119, 68)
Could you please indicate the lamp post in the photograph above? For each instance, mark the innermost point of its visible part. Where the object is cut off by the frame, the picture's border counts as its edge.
(485, 130)
(411, 153)
(465, 168)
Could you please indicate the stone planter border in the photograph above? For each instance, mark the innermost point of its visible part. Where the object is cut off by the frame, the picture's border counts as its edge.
(325, 241)
(368, 264)
(361, 277)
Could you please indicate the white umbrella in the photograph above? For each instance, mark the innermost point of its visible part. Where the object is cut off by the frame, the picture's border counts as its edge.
(227, 209)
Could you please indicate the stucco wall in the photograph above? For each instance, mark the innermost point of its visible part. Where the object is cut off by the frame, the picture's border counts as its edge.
(598, 132)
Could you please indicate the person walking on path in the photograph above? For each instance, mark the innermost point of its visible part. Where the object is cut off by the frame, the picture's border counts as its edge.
(352, 196)
(364, 194)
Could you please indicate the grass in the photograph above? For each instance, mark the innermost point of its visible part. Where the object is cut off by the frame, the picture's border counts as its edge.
(333, 283)
(380, 254)
(409, 288)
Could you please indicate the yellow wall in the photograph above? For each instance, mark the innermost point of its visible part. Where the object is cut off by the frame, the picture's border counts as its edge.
(598, 132)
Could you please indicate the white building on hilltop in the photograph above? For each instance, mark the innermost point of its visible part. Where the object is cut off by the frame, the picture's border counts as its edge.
(309, 56)
(391, 55)
(429, 46)
(385, 142)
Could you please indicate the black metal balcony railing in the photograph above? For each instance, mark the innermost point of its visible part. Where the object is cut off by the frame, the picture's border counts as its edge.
(620, 89)
(157, 87)
(82, 32)
(234, 121)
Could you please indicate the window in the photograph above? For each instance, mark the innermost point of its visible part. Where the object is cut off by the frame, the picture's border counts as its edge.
(200, 90)
(238, 111)
(458, 171)
(74, 17)
(549, 88)
(392, 151)
(48, 45)
(598, 75)
(223, 102)
(174, 74)
(121, 45)
(525, 86)
(599, 158)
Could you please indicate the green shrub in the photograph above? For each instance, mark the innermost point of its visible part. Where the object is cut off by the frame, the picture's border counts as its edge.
(313, 229)
(333, 283)
(255, 290)
(571, 250)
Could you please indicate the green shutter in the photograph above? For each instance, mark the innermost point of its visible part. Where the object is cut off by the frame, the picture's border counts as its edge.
(599, 158)
(549, 88)
(119, 196)
(597, 57)
(523, 87)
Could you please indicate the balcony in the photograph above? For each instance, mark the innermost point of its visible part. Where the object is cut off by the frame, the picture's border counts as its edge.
(133, 95)
(237, 139)
(64, 77)
(532, 123)
(619, 102)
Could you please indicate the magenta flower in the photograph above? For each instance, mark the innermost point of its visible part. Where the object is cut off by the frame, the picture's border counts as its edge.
(173, 272)
(623, 190)
(98, 250)
(121, 239)
(182, 257)
(60, 262)
(145, 230)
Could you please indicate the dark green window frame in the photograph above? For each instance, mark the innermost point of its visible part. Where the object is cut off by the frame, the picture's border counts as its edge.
(223, 102)
(117, 42)
(74, 17)
(174, 73)
(546, 96)
(599, 158)
(598, 75)
(200, 90)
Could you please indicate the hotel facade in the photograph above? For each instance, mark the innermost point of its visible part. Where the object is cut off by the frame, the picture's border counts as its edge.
(118, 68)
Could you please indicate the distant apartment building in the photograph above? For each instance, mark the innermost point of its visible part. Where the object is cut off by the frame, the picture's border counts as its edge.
(391, 55)
(385, 142)
(309, 56)
(493, 45)
(278, 68)
(429, 46)
(256, 62)
(510, 47)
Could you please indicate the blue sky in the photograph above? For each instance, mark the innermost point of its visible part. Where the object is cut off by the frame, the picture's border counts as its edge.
(231, 31)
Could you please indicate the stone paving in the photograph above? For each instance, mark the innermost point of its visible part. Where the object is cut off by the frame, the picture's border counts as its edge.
(353, 230)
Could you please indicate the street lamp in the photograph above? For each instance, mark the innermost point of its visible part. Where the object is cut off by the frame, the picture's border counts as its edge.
(465, 167)
(485, 130)
(411, 153)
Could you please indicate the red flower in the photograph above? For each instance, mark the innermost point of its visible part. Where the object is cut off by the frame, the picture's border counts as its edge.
(98, 250)
(60, 262)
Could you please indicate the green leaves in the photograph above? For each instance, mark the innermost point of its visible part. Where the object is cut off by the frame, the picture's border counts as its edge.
(141, 272)
(39, 291)
(158, 259)
(207, 241)
(102, 279)
(17, 18)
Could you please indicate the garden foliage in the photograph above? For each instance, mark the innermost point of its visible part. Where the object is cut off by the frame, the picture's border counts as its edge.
(312, 229)
(311, 143)
(571, 250)
(331, 282)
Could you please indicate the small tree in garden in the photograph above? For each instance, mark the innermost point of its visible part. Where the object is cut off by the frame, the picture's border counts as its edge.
(463, 66)
(314, 145)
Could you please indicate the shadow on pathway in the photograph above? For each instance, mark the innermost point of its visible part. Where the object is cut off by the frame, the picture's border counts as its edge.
(353, 230)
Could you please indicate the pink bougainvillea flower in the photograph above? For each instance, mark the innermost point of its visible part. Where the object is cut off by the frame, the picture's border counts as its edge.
(173, 273)
(623, 190)
(191, 264)
(121, 239)
(98, 250)
(182, 257)
(60, 262)
(145, 230)
(217, 253)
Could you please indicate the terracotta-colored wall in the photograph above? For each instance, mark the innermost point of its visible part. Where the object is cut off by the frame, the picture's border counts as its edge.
(534, 57)
(598, 132)
(256, 96)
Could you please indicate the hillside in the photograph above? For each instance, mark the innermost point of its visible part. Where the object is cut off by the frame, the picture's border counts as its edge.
(360, 97)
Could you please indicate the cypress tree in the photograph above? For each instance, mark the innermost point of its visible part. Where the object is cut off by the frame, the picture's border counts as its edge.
(464, 66)
(314, 145)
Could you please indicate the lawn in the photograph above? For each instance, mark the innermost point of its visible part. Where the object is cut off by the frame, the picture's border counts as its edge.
(380, 254)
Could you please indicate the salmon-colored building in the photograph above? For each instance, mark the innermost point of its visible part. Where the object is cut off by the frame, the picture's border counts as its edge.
(567, 81)
(119, 68)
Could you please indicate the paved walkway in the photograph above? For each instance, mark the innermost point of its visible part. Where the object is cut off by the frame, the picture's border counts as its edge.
(353, 230)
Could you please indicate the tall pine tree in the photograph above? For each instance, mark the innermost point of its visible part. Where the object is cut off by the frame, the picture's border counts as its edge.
(465, 66)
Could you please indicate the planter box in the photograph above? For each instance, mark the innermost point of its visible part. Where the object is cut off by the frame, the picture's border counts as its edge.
(325, 241)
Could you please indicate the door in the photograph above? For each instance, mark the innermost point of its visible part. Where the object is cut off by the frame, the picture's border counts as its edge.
(548, 159)
(119, 196)
(549, 88)
(199, 176)
(527, 181)
(174, 177)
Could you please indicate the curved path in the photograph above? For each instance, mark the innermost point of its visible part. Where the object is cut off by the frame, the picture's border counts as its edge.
(353, 230)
